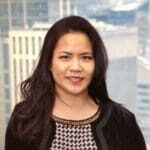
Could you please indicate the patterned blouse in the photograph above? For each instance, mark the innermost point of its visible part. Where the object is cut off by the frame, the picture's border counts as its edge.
(73, 134)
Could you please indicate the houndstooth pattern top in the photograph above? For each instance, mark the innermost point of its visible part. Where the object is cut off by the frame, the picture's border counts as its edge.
(74, 135)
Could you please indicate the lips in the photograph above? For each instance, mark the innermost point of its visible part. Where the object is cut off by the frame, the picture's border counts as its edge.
(75, 80)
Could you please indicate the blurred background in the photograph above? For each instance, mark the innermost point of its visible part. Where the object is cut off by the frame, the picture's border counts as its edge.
(124, 26)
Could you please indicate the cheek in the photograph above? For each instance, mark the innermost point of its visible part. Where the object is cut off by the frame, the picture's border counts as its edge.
(58, 68)
(90, 69)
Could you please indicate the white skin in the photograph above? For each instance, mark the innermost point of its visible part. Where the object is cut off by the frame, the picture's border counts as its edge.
(72, 69)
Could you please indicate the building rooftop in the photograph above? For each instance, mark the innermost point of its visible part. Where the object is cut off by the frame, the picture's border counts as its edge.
(126, 7)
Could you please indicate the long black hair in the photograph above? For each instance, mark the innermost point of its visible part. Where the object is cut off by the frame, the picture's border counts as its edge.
(31, 117)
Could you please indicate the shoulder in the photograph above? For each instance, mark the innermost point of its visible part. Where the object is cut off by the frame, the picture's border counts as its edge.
(121, 112)
(11, 140)
(17, 110)
(123, 126)
(123, 121)
(12, 120)
(115, 115)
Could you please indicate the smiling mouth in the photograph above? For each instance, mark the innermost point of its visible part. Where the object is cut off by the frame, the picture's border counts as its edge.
(75, 80)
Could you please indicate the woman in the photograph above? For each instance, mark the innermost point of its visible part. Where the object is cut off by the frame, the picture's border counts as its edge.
(65, 102)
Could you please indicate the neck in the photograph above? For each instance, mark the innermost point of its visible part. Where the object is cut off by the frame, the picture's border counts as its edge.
(73, 101)
(73, 106)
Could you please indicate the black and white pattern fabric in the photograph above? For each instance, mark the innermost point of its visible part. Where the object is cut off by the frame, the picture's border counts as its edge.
(74, 135)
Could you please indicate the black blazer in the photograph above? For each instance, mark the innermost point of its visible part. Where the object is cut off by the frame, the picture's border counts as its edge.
(115, 129)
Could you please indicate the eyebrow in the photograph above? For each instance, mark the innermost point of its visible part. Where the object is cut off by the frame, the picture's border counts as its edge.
(84, 53)
(65, 52)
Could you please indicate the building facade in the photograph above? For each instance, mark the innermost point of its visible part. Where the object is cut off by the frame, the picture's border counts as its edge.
(21, 15)
(24, 48)
(143, 74)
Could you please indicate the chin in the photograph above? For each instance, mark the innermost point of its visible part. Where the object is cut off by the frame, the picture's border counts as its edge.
(76, 92)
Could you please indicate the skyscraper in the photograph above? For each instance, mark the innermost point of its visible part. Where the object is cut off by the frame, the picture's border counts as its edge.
(143, 97)
(143, 21)
(20, 15)
(24, 47)
(143, 74)
(121, 45)
(2, 117)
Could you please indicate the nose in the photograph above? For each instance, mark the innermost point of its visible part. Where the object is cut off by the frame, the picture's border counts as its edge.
(75, 65)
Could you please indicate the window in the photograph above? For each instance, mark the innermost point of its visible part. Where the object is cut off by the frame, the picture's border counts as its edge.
(15, 73)
(6, 79)
(14, 45)
(5, 56)
(26, 45)
(33, 45)
(27, 66)
(40, 42)
(7, 94)
(143, 86)
(21, 69)
(3, 10)
(20, 45)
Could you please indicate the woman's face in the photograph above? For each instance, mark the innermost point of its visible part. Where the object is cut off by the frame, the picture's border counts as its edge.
(73, 63)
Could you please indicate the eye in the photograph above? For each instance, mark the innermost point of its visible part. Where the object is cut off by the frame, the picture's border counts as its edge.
(64, 57)
(87, 58)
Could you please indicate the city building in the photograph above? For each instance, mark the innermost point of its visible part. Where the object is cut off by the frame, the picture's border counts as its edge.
(143, 97)
(143, 22)
(143, 67)
(123, 14)
(16, 14)
(24, 48)
(20, 15)
(2, 111)
(121, 44)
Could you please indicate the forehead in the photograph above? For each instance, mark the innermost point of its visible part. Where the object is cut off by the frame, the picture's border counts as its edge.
(74, 41)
